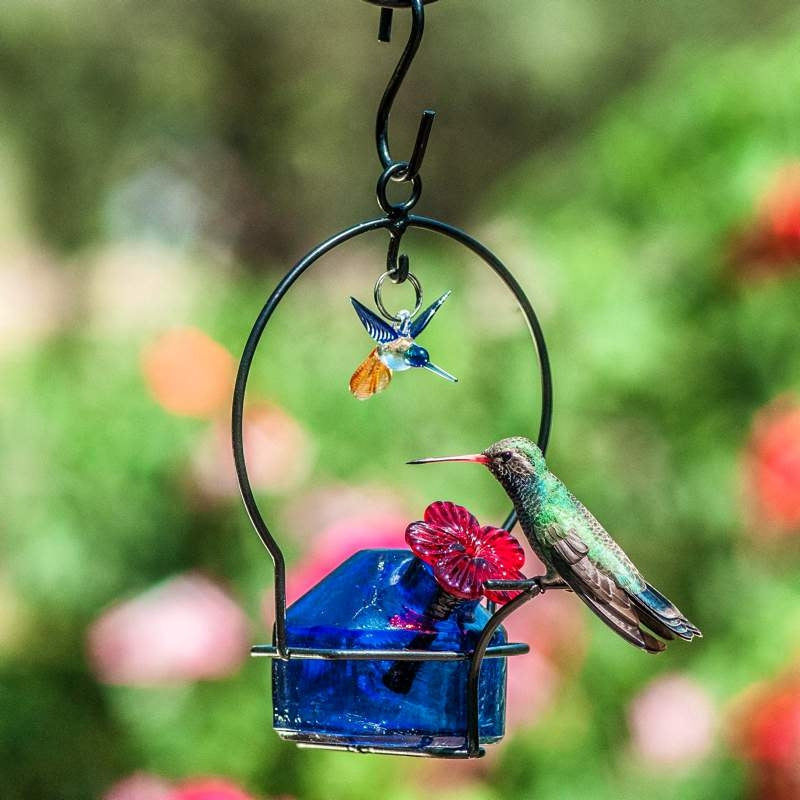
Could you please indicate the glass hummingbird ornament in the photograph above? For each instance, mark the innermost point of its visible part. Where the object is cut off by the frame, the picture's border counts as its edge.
(397, 349)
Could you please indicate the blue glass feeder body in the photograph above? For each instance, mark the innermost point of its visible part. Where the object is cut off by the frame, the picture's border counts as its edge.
(347, 703)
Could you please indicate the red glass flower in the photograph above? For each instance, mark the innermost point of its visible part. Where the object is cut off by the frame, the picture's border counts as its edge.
(464, 554)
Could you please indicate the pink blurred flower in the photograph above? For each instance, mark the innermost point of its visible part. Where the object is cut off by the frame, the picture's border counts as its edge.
(339, 541)
(136, 286)
(335, 544)
(139, 786)
(772, 468)
(37, 298)
(450, 777)
(279, 454)
(188, 373)
(15, 617)
(554, 626)
(208, 789)
(184, 630)
(322, 506)
(672, 722)
(771, 243)
(533, 682)
(465, 555)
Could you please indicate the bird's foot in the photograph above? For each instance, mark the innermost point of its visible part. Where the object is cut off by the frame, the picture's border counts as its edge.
(545, 582)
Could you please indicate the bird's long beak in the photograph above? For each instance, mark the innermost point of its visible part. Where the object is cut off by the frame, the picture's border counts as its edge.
(475, 458)
(441, 373)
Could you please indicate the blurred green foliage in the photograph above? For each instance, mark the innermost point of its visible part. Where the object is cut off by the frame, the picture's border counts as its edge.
(652, 129)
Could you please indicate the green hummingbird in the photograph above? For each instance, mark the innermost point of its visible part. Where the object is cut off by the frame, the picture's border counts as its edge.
(577, 551)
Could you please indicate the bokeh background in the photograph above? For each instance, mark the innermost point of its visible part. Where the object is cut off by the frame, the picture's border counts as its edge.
(637, 165)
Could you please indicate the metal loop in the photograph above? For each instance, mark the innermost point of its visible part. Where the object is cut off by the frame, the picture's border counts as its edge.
(394, 209)
(413, 280)
(396, 264)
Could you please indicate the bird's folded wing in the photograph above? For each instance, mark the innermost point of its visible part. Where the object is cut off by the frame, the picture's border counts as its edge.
(598, 590)
(654, 610)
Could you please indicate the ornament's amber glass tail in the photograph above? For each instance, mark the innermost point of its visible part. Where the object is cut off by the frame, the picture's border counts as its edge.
(371, 376)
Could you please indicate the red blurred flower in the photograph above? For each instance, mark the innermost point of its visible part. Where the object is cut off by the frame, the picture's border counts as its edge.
(188, 373)
(773, 468)
(464, 554)
(208, 789)
(766, 731)
(184, 630)
(772, 242)
(770, 724)
(672, 722)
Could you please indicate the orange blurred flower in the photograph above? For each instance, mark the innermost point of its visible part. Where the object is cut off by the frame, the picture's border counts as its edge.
(772, 468)
(188, 373)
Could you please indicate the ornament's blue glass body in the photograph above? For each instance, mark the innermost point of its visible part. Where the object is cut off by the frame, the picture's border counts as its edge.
(346, 702)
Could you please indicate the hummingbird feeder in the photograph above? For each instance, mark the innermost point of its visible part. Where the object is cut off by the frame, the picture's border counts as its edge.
(396, 651)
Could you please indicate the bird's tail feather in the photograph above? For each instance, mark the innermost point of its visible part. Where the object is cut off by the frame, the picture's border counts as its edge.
(616, 611)
(663, 616)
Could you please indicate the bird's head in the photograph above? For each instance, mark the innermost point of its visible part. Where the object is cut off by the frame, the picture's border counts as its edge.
(417, 356)
(514, 461)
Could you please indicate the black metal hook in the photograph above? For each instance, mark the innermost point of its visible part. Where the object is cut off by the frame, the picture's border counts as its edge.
(387, 7)
(413, 165)
(396, 264)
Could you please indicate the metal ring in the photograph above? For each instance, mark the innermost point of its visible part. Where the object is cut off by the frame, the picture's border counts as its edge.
(392, 172)
(412, 279)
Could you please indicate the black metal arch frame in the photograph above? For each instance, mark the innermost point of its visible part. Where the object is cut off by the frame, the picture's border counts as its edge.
(396, 222)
